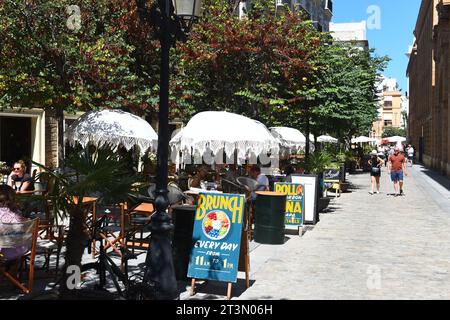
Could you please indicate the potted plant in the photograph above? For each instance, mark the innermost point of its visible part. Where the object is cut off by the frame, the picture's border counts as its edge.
(92, 171)
(350, 161)
(149, 163)
(316, 164)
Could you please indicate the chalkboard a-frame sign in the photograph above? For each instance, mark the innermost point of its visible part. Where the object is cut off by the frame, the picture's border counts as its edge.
(332, 174)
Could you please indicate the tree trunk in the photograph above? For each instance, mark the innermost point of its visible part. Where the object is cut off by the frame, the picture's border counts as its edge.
(61, 144)
(307, 132)
(75, 246)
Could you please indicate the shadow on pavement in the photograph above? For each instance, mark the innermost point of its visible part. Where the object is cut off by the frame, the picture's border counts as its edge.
(330, 210)
(358, 172)
(437, 177)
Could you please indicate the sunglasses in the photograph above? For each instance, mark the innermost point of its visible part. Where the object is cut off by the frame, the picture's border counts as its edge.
(17, 169)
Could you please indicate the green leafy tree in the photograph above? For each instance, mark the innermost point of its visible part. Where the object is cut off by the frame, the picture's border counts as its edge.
(344, 95)
(252, 66)
(393, 131)
(340, 97)
(65, 55)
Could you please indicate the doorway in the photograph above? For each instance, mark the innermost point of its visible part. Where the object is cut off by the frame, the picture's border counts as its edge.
(15, 140)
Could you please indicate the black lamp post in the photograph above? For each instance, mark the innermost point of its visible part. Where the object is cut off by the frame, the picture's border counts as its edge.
(173, 19)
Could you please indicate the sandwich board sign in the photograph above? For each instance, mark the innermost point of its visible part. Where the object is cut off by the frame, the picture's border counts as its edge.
(218, 225)
(311, 196)
(295, 202)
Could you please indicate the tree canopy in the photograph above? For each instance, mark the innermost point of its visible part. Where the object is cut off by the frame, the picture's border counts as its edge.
(393, 131)
(276, 68)
(56, 55)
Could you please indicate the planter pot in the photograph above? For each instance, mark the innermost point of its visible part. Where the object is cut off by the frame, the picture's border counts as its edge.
(323, 203)
(321, 185)
(344, 186)
(343, 172)
(350, 165)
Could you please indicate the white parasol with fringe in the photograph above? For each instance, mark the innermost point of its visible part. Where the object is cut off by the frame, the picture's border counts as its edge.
(114, 128)
(214, 131)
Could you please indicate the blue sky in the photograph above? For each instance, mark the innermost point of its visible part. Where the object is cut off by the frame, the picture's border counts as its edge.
(395, 35)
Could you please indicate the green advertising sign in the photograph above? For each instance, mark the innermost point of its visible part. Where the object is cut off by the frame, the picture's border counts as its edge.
(295, 202)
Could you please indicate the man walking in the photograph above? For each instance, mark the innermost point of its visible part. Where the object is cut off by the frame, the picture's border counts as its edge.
(410, 153)
(396, 168)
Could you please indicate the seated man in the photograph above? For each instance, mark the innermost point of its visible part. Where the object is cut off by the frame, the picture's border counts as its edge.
(19, 179)
(261, 179)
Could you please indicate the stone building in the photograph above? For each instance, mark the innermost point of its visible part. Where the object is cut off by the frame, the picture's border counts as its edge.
(319, 12)
(390, 107)
(30, 134)
(353, 32)
(429, 79)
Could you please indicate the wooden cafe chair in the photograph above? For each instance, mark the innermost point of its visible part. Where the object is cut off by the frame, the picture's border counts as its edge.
(50, 233)
(19, 234)
(113, 234)
(138, 219)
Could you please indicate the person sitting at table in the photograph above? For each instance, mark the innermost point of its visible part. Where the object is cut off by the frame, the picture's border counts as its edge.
(19, 179)
(10, 213)
(230, 173)
(199, 177)
(261, 179)
(262, 182)
(289, 171)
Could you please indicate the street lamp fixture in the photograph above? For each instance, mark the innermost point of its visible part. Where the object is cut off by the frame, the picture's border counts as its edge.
(187, 11)
(174, 20)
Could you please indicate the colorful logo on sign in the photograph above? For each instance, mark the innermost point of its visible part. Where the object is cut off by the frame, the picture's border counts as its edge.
(216, 225)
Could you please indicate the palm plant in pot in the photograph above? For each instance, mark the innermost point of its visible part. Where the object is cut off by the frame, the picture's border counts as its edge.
(92, 171)
(316, 164)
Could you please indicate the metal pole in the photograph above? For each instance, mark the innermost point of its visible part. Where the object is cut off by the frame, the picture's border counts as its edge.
(162, 270)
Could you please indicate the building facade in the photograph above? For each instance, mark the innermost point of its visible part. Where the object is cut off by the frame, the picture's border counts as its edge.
(30, 134)
(354, 33)
(319, 12)
(429, 79)
(390, 107)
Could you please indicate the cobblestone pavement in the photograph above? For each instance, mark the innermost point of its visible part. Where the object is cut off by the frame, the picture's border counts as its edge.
(367, 247)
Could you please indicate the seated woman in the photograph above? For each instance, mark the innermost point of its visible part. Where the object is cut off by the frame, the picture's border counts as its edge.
(10, 213)
(19, 179)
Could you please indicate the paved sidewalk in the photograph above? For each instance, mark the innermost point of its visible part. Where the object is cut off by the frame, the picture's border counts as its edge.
(368, 247)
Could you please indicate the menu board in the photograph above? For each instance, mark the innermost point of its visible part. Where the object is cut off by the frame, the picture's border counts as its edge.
(216, 237)
(332, 174)
(295, 202)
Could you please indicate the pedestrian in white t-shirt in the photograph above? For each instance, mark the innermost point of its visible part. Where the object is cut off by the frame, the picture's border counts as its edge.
(410, 154)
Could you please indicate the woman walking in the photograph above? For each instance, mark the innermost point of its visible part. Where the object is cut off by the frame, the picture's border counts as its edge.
(375, 164)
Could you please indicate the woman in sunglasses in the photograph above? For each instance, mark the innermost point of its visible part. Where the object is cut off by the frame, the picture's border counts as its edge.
(19, 180)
